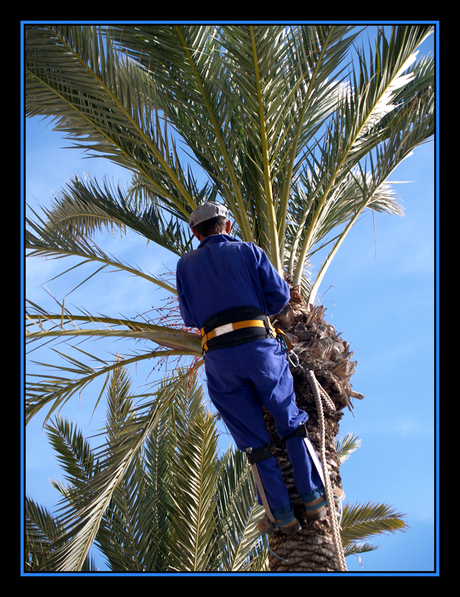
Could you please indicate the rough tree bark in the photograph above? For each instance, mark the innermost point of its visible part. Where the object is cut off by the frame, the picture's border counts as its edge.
(320, 349)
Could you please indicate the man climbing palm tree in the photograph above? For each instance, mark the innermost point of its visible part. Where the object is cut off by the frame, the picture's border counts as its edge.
(227, 289)
(295, 149)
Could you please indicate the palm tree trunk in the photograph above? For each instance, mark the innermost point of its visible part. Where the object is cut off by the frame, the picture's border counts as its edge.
(321, 350)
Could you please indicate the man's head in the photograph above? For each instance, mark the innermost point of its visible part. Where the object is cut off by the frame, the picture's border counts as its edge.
(209, 218)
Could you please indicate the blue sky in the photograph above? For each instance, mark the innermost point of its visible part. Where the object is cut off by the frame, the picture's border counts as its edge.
(380, 295)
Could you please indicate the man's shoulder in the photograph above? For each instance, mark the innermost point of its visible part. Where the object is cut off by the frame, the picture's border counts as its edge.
(187, 257)
(220, 242)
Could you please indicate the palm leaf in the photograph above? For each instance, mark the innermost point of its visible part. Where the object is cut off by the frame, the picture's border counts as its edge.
(183, 341)
(158, 458)
(122, 531)
(72, 374)
(227, 92)
(43, 241)
(41, 528)
(173, 495)
(55, 390)
(362, 521)
(347, 446)
(83, 207)
(190, 81)
(239, 544)
(193, 505)
(75, 75)
(73, 450)
(368, 120)
(81, 526)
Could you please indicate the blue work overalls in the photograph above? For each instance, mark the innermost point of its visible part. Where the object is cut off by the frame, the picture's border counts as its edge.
(225, 273)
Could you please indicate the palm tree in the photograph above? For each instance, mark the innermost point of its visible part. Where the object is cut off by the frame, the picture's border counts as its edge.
(176, 505)
(281, 125)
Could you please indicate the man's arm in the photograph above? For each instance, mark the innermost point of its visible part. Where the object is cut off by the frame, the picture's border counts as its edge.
(184, 310)
(276, 290)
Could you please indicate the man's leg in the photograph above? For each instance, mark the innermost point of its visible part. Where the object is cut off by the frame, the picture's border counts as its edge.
(276, 391)
(241, 410)
(306, 475)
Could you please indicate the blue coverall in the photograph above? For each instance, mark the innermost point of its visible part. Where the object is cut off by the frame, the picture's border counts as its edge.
(224, 273)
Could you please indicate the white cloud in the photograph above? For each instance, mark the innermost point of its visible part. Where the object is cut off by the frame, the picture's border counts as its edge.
(410, 427)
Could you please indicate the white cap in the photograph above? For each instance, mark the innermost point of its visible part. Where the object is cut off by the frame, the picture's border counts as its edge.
(207, 211)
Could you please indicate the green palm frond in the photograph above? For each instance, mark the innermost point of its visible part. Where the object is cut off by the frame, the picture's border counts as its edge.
(360, 522)
(240, 545)
(158, 456)
(105, 103)
(73, 375)
(174, 506)
(81, 525)
(48, 325)
(193, 529)
(81, 466)
(381, 119)
(72, 449)
(83, 207)
(245, 100)
(123, 527)
(41, 528)
(347, 445)
(43, 241)
(190, 81)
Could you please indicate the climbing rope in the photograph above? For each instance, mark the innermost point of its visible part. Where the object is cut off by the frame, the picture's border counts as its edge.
(320, 393)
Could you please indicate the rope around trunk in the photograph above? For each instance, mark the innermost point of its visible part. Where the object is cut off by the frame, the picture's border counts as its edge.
(320, 393)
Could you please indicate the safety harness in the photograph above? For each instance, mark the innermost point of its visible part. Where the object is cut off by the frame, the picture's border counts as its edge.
(238, 326)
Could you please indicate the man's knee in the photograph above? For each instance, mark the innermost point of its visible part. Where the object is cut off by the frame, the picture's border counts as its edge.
(259, 454)
(301, 431)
